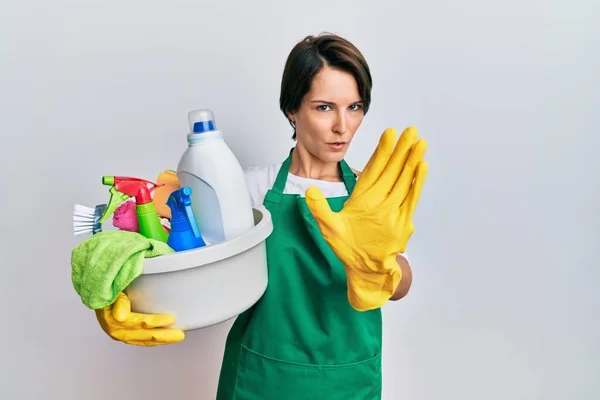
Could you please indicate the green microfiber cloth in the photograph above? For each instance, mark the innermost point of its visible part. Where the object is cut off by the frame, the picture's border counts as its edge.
(107, 262)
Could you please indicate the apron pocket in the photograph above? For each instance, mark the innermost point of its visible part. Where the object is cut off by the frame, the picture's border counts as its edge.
(265, 378)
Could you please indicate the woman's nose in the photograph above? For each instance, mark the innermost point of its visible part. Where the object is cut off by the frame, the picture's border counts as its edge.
(340, 123)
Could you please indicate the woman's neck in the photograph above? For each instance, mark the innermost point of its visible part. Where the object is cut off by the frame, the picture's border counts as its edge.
(305, 165)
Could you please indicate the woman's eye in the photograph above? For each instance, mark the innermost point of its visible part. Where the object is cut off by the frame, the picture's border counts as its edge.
(323, 107)
(355, 107)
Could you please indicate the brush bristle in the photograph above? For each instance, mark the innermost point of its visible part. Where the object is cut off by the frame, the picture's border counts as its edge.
(83, 210)
(82, 232)
(85, 219)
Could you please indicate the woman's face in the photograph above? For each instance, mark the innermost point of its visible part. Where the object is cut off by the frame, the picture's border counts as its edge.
(329, 115)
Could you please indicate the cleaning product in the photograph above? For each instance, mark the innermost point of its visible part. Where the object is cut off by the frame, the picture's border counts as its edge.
(170, 183)
(185, 234)
(220, 196)
(124, 187)
(86, 220)
(125, 217)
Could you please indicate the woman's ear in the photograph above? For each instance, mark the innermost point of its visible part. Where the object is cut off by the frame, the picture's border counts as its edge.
(291, 117)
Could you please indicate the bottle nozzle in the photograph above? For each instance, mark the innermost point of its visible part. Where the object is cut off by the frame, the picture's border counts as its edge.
(185, 233)
(187, 191)
(202, 121)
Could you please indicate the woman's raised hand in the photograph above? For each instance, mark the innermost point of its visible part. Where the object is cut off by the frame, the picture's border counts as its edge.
(376, 221)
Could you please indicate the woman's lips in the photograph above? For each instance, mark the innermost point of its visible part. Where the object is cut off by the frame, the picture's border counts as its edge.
(336, 146)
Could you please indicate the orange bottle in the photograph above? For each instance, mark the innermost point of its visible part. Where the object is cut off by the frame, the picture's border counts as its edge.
(162, 193)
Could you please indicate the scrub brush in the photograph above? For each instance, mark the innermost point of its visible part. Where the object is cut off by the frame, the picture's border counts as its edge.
(86, 220)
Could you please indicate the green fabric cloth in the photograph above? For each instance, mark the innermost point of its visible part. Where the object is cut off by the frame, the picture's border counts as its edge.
(106, 263)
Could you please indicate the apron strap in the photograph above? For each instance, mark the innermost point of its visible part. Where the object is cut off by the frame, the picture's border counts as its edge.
(282, 175)
(348, 176)
(274, 195)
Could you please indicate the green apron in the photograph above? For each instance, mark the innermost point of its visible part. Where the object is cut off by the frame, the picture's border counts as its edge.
(302, 339)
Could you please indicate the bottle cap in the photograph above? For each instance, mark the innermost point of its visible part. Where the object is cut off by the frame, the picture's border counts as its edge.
(202, 121)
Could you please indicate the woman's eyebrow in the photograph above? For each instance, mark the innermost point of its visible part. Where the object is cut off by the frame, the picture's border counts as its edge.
(331, 102)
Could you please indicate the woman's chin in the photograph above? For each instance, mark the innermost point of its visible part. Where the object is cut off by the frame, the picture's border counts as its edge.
(331, 157)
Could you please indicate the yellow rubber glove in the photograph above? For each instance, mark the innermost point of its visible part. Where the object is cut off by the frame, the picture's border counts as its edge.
(376, 221)
(148, 330)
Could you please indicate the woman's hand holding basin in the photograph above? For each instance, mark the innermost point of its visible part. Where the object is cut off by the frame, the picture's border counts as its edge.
(148, 330)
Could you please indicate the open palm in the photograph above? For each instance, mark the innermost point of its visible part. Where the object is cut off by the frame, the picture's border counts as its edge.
(376, 222)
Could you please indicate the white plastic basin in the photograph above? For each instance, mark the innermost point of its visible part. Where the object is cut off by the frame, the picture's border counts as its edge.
(209, 285)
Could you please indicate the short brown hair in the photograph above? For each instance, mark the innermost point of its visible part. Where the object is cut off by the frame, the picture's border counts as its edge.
(306, 60)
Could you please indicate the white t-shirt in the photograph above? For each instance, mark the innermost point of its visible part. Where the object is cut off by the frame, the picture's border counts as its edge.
(261, 179)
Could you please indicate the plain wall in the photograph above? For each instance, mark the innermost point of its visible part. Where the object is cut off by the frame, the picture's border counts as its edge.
(504, 303)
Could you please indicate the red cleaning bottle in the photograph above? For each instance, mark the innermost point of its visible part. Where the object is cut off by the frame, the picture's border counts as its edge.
(148, 219)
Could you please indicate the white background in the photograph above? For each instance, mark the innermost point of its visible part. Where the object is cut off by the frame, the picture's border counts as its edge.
(505, 302)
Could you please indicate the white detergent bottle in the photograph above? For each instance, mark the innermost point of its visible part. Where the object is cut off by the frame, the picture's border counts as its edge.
(220, 196)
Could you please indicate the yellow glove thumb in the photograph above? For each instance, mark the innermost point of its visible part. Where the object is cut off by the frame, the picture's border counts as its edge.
(319, 207)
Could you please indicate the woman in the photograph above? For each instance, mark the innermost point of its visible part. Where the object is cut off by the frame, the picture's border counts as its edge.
(335, 254)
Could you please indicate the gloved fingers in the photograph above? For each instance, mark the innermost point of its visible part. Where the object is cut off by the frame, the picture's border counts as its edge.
(396, 165)
(377, 161)
(121, 308)
(121, 312)
(414, 194)
(158, 335)
(142, 343)
(318, 205)
(150, 321)
(399, 192)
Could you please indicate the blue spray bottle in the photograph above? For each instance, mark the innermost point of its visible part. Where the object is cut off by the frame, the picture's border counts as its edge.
(185, 234)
